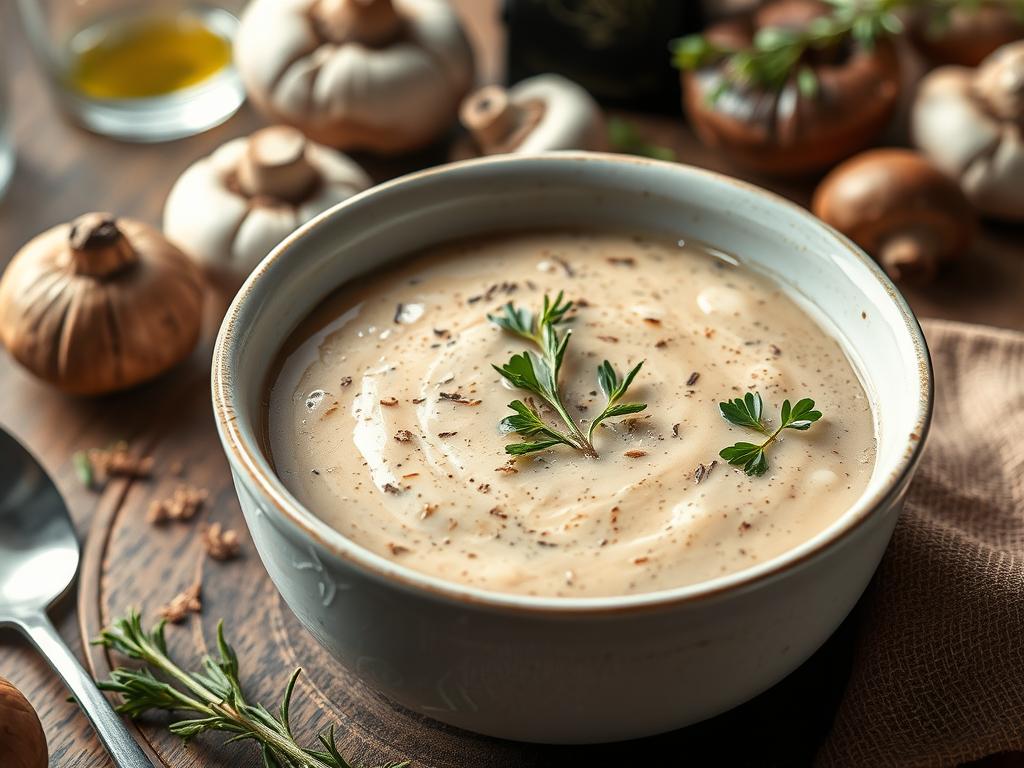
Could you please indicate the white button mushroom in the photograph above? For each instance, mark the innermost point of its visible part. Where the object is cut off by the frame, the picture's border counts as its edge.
(381, 75)
(230, 209)
(539, 114)
(970, 122)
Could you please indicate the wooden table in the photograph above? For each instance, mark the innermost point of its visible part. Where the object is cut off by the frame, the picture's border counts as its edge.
(63, 171)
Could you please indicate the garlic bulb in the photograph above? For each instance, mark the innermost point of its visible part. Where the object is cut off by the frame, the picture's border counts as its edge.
(539, 114)
(100, 304)
(230, 209)
(970, 122)
(381, 75)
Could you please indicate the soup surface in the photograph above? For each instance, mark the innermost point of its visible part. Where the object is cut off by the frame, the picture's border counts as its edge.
(385, 410)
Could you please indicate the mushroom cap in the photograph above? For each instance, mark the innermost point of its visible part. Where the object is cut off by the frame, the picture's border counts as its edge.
(343, 91)
(89, 322)
(969, 35)
(786, 132)
(884, 197)
(230, 209)
(539, 114)
(970, 123)
(22, 741)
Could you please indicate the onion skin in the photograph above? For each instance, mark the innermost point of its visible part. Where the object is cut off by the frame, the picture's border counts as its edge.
(103, 311)
(22, 741)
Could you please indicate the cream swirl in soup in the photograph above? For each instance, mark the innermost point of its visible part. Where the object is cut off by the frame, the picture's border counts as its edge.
(384, 417)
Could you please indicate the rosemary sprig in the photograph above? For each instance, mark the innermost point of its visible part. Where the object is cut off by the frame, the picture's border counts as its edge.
(777, 54)
(215, 695)
(746, 412)
(538, 374)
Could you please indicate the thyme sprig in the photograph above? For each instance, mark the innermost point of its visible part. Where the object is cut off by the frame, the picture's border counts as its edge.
(538, 374)
(777, 54)
(214, 695)
(747, 412)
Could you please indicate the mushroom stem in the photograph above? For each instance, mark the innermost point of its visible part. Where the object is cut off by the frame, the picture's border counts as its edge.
(909, 257)
(373, 23)
(98, 248)
(275, 165)
(491, 117)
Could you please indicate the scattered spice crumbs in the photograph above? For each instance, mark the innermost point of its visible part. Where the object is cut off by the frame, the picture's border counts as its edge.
(675, 430)
(635, 453)
(220, 543)
(458, 397)
(622, 261)
(447, 434)
(389, 401)
(609, 339)
(185, 602)
(662, 343)
(701, 472)
(389, 488)
(496, 511)
(346, 381)
(96, 465)
(403, 435)
(639, 560)
(418, 400)
(183, 504)
(428, 510)
(694, 378)
(397, 549)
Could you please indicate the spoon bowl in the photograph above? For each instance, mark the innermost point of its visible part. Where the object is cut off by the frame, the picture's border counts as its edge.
(38, 549)
(38, 561)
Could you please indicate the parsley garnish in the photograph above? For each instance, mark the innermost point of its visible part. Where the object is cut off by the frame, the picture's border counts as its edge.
(538, 374)
(746, 412)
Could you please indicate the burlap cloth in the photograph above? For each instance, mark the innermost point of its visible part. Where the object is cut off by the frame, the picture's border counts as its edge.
(938, 664)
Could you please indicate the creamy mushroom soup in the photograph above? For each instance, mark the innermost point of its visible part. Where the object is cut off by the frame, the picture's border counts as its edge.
(385, 409)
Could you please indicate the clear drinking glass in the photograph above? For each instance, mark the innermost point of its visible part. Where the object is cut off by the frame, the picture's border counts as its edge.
(138, 70)
(6, 144)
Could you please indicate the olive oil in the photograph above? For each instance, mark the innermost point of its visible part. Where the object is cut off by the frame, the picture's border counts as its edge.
(144, 56)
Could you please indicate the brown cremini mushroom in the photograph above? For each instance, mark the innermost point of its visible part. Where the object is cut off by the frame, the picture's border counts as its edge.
(100, 304)
(970, 123)
(898, 207)
(966, 34)
(539, 114)
(230, 209)
(380, 75)
(22, 741)
(790, 131)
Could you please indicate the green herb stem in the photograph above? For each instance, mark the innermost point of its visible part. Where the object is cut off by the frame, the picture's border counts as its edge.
(216, 695)
(538, 374)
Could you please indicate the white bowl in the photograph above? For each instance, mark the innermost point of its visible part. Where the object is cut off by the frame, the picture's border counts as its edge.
(553, 669)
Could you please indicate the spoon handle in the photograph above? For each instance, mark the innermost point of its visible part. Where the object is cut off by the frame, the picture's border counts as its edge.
(123, 749)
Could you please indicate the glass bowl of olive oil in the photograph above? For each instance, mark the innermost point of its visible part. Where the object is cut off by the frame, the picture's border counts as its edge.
(139, 71)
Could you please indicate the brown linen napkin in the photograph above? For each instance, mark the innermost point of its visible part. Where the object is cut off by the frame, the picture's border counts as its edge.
(938, 670)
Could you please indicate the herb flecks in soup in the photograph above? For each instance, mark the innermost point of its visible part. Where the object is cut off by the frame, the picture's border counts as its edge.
(384, 417)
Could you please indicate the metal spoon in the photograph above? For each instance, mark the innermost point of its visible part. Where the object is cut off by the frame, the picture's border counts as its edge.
(38, 562)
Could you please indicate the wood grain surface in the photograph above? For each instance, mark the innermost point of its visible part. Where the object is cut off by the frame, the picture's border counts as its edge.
(63, 171)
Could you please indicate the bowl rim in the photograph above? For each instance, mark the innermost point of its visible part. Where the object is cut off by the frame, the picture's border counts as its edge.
(245, 457)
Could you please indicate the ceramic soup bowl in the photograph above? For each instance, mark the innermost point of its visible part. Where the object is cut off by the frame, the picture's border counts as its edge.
(553, 669)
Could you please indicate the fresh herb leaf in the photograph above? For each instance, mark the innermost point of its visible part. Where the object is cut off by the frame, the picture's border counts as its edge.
(747, 412)
(777, 55)
(613, 389)
(538, 373)
(214, 694)
(623, 137)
